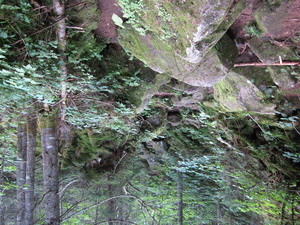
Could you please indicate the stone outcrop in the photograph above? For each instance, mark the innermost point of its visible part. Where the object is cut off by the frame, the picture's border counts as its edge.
(279, 19)
(181, 39)
(235, 93)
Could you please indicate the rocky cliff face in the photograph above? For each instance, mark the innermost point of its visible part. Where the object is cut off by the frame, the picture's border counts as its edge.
(187, 41)
(180, 37)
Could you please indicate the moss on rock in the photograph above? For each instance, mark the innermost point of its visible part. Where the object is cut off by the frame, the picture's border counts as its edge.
(259, 76)
(235, 94)
(270, 17)
(163, 58)
(147, 92)
(180, 38)
(282, 77)
(268, 52)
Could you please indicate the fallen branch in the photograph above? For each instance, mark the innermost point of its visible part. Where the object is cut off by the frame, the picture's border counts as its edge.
(164, 94)
(284, 63)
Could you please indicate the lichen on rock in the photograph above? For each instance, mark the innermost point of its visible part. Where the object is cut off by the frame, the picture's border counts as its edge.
(282, 77)
(236, 94)
(270, 17)
(268, 52)
(180, 39)
(151, 90)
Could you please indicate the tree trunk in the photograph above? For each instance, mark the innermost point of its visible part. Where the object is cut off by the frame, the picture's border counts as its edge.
(50, 171)
(180, 202)
(21, 173)
(59, 9)
(2, 208)
(30, 169)
(219, 216)
(111, 205)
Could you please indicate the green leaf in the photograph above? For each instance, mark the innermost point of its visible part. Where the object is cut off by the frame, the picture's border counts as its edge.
(21, 71)
(29, 68)
(3, 34)
(37, 75)
(5, 72)
(117, 20)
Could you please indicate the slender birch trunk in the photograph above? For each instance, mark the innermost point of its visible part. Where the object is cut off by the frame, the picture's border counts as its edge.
(30, 169)
(21, 173)
(50, 171)
(59, 9)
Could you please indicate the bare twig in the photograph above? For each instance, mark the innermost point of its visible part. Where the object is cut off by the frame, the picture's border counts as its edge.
(283, 63)
(67, 185)
(256, 123)
(72, 207)
(134, 187)
(92, 206)
(123, 155)
(295, 128)
(77, 28)
(37, 32)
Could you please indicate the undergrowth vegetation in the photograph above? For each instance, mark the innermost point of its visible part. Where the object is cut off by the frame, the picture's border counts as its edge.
(234, 167)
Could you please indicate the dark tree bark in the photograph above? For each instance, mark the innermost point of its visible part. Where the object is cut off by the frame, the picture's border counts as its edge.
(21, 173)
(111, 205)
(2, 208)
(180, 201)
(50, 171)
(30, 169)
(26, 170)
(219, 215)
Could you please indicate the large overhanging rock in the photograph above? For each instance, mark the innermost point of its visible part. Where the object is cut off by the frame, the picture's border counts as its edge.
(180, 39)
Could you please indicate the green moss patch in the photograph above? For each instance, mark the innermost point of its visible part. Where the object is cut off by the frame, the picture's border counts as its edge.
(235, 94)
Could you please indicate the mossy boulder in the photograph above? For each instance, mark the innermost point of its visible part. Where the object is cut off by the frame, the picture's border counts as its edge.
(259, 76)
(282, 77)
(268, 52)
(271, 16)
(235, 93)
(180, 39)
(163, 58)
